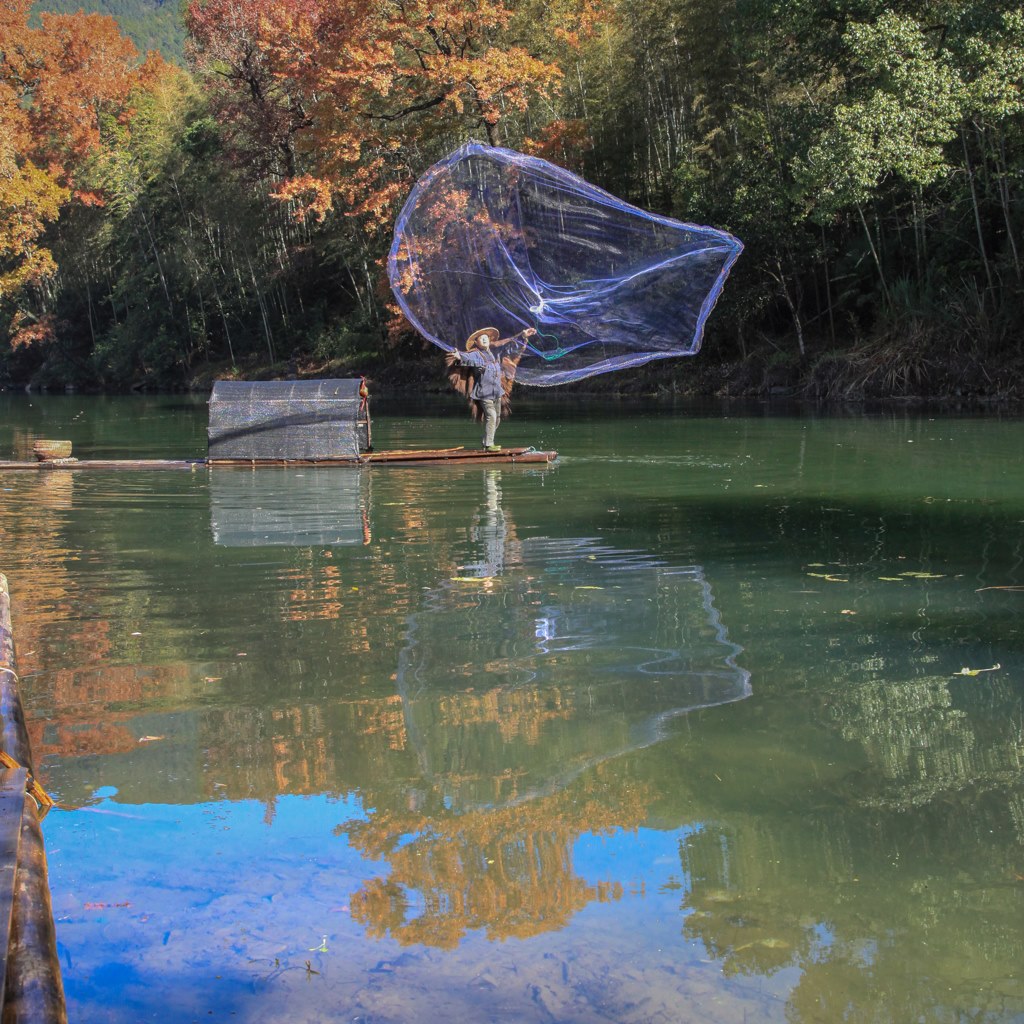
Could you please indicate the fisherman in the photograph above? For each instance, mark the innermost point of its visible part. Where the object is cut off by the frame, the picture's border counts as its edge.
(485, 373)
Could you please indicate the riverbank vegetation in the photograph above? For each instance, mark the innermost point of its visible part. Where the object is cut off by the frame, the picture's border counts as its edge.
(161, 225)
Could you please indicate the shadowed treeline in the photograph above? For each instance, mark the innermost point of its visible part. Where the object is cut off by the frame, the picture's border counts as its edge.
(170, 224)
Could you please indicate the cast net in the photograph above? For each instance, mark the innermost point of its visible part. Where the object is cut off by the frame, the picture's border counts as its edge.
(493, 238)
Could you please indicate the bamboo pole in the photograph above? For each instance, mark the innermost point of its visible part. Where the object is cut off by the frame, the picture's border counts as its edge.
(424, 456)
(33, 991)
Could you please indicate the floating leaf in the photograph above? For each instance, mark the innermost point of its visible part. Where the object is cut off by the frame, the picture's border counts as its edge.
(924, 575)
(588, 588)
(977, 671)
(892, 579)
(828, 576)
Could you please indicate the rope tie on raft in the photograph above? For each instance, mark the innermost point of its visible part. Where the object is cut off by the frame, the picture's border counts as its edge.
(32, 787)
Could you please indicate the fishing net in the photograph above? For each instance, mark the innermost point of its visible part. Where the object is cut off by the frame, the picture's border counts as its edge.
(577, 652)
(493, 238)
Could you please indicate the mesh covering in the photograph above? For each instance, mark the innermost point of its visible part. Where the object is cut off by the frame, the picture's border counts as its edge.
(307, 419)
(492, 238)
(284, 507)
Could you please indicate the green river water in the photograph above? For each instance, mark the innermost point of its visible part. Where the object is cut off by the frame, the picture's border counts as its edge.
(720, 718)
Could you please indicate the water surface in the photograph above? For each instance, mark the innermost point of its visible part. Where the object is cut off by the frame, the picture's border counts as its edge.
(719, 718)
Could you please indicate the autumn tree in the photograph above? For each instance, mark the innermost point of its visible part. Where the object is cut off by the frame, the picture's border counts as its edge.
(57, 83)
(30, 196)
(350, 99)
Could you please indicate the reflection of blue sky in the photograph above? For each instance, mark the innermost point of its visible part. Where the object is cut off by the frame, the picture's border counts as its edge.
(646, 856)
(205, 851)
(225, 908)
(211, 889)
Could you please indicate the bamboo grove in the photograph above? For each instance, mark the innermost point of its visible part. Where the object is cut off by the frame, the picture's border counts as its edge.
(158, 222)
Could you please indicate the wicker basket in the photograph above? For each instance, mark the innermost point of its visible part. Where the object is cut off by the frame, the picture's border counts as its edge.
(44, 451)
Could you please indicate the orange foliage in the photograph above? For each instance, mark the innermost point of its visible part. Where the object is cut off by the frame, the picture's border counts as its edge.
(56, 82)
(29, 199)
(26, 331)
(335, 93)
(563, 142)
(87, 67)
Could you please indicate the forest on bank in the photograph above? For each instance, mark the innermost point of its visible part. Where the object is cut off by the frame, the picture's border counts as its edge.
(163, 224)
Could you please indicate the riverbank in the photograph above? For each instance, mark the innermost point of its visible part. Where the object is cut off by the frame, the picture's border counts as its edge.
(868, 372)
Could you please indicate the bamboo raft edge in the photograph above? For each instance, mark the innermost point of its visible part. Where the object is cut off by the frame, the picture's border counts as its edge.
(403, 457)
(32, 989)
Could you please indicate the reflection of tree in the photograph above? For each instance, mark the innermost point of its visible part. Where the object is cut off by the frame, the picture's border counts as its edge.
(743, 925)
(32, 526)
(744, 932)
(465, 849)
(506, 870)
(868, 898)
(99, 707)
(921, 744)
(869, 838)
(869, 940)
(516, 713)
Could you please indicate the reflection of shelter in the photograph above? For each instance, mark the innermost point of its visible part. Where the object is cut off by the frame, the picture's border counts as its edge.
(294, 507)
(558, 655)
(287, 419)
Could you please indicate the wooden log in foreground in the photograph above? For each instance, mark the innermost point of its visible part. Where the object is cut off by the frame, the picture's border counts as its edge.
(13, 733)
(33, 992)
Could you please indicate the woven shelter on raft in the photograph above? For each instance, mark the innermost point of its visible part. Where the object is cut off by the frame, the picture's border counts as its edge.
(288, 420)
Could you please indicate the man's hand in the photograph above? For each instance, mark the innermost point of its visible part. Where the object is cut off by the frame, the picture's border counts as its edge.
(529, 332)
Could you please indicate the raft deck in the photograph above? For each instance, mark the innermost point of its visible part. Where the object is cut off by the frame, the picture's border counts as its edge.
(410, 457)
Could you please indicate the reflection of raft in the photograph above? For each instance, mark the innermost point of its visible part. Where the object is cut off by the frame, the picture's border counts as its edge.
(323, 423)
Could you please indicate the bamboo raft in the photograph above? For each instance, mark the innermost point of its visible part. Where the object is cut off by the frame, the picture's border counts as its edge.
(317, 423)
(406, 457)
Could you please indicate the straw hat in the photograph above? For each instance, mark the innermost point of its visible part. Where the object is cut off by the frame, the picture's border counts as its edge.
(471, 342)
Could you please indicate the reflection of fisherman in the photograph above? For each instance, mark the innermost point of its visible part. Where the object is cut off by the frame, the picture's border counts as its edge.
(491, 530)
(485, 375)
